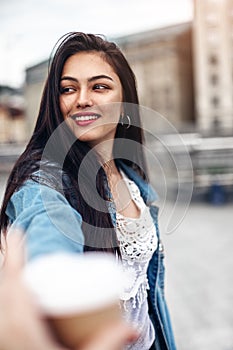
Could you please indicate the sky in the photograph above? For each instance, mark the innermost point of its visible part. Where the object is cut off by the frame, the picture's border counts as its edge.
(29, 29)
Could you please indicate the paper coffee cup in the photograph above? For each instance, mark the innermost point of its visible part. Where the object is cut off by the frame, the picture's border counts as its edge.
(77, 293)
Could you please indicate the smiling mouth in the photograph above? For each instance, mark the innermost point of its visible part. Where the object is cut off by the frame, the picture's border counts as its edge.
(85, 118)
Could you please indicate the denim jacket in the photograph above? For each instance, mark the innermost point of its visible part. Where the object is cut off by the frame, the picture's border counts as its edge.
(52, 224)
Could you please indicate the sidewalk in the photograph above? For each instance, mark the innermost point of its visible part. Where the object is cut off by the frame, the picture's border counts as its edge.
(199, 263)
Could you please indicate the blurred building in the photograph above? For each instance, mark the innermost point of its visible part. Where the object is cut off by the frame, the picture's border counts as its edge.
(162, 62)
(34, 84)
(12, 115)
(213, 65)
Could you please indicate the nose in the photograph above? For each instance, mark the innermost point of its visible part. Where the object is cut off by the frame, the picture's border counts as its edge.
(84, 99)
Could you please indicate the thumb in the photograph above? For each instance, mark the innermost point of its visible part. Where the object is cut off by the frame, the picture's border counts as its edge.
(114, 337)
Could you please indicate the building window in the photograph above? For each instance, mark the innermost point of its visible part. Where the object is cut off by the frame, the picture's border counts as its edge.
(215, 101)
(214, 79)
(213, 59)
(216, 124)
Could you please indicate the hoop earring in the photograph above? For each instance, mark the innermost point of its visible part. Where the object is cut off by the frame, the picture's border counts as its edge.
(128, 120)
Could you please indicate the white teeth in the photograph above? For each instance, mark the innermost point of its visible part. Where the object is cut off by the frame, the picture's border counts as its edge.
(86, 117)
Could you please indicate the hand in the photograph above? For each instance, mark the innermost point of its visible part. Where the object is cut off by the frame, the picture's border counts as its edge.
(113, 337)
(21, 324)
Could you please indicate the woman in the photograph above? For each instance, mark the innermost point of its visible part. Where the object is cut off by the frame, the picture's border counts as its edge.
(81, 183)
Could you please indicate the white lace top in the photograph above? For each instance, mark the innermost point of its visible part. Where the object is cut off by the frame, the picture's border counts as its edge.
(138, 241)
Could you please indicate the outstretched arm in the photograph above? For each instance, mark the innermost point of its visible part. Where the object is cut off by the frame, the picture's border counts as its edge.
(21, 324)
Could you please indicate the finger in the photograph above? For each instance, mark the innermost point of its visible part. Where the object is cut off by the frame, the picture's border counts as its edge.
(121, 334)
(113, 338)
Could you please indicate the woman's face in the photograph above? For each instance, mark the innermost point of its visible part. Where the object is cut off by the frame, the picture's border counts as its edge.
(90, 97)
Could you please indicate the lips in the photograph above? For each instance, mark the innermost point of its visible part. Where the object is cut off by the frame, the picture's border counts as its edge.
(85, 118)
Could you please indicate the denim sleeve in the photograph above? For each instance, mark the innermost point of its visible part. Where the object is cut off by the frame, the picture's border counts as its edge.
(47, 219)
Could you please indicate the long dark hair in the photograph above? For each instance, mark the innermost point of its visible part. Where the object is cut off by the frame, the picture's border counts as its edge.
(50, 117)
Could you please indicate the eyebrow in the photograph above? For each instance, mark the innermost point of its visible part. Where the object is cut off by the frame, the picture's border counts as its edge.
(96, 77)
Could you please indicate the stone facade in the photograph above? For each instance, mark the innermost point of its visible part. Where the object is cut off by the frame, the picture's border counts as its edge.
(34, 85)
(162, 62)
(12, 116)
(213, 65)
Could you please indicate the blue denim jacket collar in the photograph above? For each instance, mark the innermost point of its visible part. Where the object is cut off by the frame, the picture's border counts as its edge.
(148, 193)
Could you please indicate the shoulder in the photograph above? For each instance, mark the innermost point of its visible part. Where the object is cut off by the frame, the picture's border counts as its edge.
(31, 192)
(36, 197)
(50, 223)
(51, 174)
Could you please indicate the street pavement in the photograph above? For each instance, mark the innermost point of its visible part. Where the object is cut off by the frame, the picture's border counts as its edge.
(199, 279)
(199, 275)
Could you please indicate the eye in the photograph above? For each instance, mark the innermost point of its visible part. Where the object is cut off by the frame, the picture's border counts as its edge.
(100, 87)
(66, 89)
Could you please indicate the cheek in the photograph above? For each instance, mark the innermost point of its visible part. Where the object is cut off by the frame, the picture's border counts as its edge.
(111, 111)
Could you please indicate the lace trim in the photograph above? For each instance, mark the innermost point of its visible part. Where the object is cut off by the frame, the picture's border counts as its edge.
(137, 237)
(138, 241)
(135, 300)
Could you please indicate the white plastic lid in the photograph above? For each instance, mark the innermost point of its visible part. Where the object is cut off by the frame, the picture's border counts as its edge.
(64, 283)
